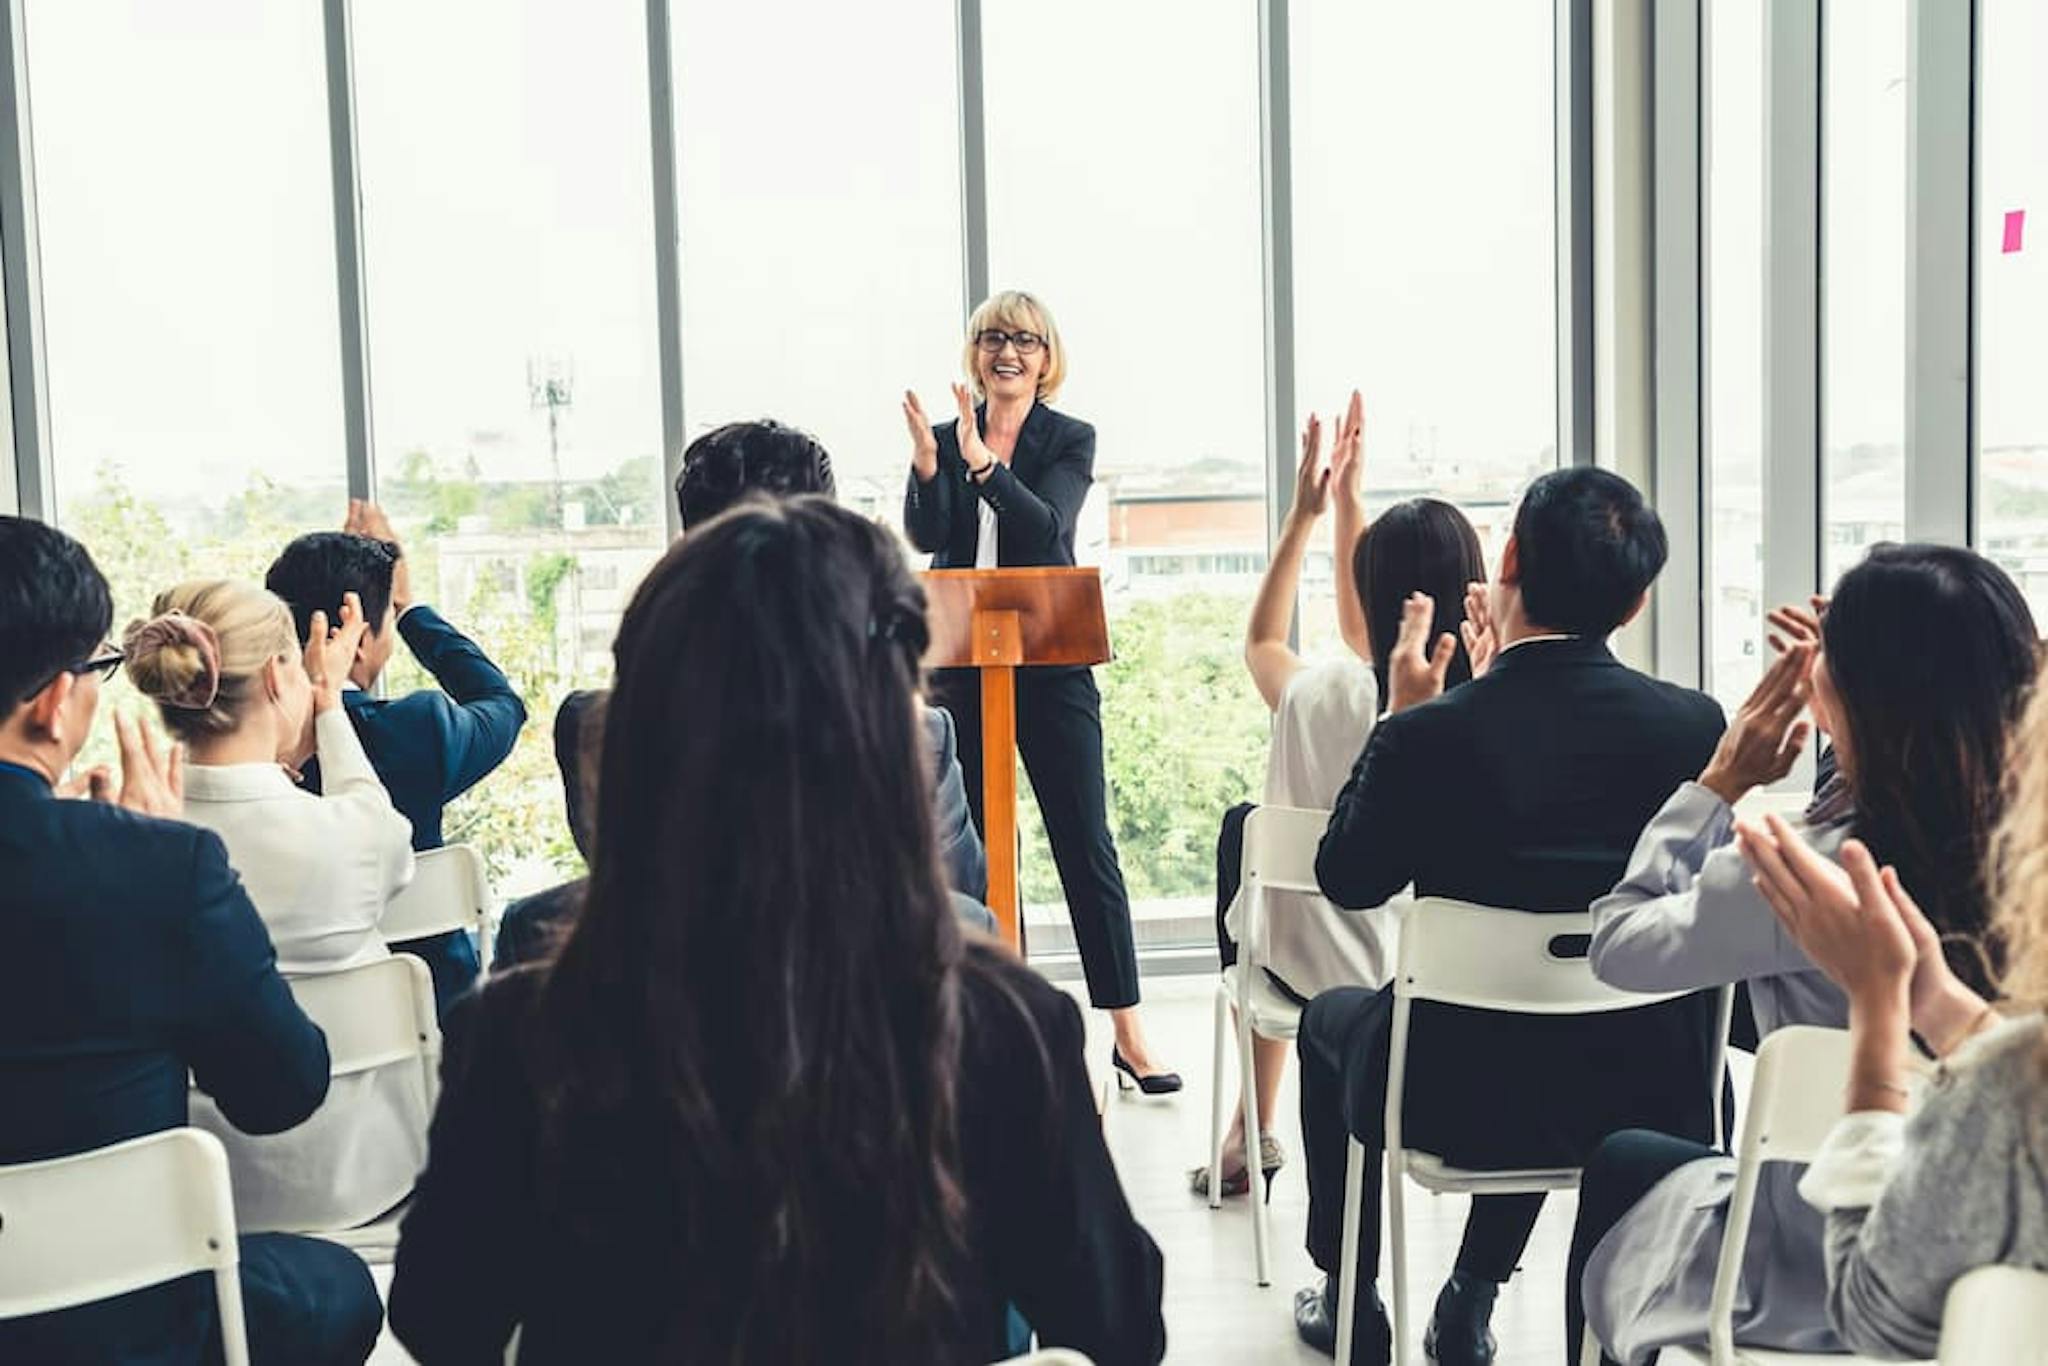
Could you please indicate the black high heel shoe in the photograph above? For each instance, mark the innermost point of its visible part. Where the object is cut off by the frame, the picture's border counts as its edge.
(1157, 1084)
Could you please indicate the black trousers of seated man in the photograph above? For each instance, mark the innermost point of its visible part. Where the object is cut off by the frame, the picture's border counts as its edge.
(1343, 1046)
(1602, 1081)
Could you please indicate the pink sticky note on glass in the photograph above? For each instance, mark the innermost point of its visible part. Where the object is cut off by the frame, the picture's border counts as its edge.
(2015, 228)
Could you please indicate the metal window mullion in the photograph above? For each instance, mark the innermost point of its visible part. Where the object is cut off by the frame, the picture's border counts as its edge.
(1791, 304)
(1678, 335)
(32, 482)
(1940, 454)
(353, 303)
(1276, 219)
(668, 245)
(1572, 77)
(973, 154)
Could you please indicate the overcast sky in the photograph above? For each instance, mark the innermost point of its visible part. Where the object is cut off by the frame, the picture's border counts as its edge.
(181, 155)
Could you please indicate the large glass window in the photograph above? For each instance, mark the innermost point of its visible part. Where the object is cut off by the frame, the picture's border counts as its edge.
(1124, 189)
(1734, 309)
(188, 282)
(2012, 292)
(819, 161)
(1863, 269)
(508, 245)
(188, 287)
(1425, 259)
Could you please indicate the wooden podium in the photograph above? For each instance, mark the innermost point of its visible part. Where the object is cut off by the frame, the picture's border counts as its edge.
(997, 621)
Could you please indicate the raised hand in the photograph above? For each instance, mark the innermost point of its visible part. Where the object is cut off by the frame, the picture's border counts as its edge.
(1347, 452)
(152, 782)
(1799, 625)
(972, 448)
(331, 654)
(1765, 738)
(1481, 643)
(924, 445)
(1416, 668)
(366, 518)
(1843, 917)
(1311, 477)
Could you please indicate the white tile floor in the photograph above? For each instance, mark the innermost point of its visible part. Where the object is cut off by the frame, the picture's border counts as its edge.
(1215, 1313)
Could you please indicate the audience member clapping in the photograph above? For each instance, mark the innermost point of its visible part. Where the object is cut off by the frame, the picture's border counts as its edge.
(222, 660)
(134, 961)
(1914, 673)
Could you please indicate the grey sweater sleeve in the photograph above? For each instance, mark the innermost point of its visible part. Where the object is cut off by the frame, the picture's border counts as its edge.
(1686, 915)
(1967, 1192)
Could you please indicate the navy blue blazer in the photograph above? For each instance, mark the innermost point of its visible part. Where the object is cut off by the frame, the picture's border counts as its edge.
(1037, 497)
(430, 747)
(1527, 789)
(132, 958)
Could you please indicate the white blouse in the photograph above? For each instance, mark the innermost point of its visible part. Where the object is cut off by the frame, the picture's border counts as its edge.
(1326, 711)
(320, 870)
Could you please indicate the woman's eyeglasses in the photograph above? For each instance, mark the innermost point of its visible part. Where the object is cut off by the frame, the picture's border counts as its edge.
(992, 341)
(103, 664)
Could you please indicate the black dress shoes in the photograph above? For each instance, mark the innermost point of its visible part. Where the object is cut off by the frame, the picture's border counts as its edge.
(1315, 1320)
(1459, 1332)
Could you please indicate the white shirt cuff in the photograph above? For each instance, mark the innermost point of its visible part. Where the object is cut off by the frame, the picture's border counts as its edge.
(1856, 1162)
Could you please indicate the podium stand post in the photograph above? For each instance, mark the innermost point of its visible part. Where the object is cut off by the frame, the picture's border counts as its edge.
(998, 649)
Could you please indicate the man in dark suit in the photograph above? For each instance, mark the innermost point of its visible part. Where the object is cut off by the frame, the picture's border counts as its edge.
(762, 459)
(133, 961)
(428, 747)
(1524, 789)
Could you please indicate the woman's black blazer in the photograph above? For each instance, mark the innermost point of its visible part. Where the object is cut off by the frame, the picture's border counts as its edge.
(1037, 497)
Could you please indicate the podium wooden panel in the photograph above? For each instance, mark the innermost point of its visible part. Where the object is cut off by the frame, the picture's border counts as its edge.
(997, 621)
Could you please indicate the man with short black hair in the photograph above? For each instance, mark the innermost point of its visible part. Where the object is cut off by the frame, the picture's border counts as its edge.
(430, 746)
(1524, 789)
(134, 961)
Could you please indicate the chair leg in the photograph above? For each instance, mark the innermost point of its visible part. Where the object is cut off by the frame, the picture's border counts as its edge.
(1216, 1100)
(1397, 1248)
(234, 1335)
(1347, 1263)
(1248, 1087)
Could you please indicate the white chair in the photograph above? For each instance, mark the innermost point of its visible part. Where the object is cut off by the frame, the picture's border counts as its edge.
(450, 890)
(1050, 1356)
(1996, 1313)
(74, 1230)
(376, 1015)
(1279, 856)
(1794, 1099)
(1485, 959)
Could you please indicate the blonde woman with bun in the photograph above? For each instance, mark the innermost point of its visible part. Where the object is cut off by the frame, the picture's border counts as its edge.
(222, 661)
(1924, 1183)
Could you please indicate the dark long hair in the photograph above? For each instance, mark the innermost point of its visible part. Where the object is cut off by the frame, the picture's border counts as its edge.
(762, 992)
(1421, 546)
(1932, 651)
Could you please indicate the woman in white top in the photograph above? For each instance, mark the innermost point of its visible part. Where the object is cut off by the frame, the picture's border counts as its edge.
(1390, 576)
(222, 661)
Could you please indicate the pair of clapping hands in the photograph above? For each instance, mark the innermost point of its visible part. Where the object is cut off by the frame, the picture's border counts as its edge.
(1854, 920)
(152, 781)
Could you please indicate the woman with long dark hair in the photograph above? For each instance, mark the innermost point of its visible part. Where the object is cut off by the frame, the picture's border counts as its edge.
(769, 1104)
(1002, 486)
(1919, 667)
(1322, 713)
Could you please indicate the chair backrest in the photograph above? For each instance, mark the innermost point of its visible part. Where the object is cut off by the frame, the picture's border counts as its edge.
(1996, 1313)
(1491, 959)
(376, 1015)
(1795, 1097)
(1279, 856)
(449, 891)
(75, 1230)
